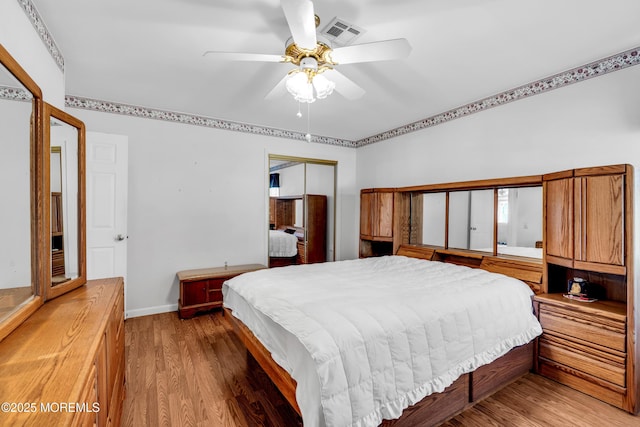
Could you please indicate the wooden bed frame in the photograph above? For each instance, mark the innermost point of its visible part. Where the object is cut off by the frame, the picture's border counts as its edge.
(434, 409)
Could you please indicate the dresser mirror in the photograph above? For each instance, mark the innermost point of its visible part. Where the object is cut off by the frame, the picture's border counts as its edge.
(65, 135)
(20, 172)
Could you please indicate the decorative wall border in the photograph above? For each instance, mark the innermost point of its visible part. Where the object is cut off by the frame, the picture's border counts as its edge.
(598, 68)
(604, 66)
(37, 22)
(192, 119)
(15, 94)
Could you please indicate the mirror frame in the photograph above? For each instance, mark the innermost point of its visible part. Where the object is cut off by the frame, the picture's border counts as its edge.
(308, 160)
(38, 225)
(50, 111)
(487, 184)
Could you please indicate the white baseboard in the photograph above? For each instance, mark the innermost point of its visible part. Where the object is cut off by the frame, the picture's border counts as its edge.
(151, 310)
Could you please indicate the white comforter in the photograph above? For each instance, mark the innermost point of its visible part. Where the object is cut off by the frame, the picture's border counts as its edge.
(282, 244)
(385, 332)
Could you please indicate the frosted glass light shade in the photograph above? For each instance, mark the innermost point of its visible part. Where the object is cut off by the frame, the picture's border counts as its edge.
(298, 85)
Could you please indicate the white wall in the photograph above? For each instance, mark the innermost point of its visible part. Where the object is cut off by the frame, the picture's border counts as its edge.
(21, 40)
(595, 122)
(198, 197)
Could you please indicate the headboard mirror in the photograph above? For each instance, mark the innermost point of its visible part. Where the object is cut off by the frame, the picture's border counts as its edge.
(65, 135)
(21, 214)
(493, 216)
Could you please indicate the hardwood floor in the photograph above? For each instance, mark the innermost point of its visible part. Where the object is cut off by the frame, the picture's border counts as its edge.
(196, 373)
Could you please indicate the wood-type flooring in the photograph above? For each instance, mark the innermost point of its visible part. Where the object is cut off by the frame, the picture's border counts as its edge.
(195, 372)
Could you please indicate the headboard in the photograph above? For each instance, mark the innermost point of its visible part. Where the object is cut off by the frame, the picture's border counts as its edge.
(529, 272)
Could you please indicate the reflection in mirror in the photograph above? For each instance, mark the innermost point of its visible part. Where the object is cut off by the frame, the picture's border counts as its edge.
(16, 274)
(520, 221)
(471, 220)
(434, 211)
(64, 202)
(304, 208)
(65, 136)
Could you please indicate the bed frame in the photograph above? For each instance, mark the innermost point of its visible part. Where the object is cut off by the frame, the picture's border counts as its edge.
(438, 407)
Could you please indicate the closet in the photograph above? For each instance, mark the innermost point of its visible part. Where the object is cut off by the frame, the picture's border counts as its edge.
(302, 201)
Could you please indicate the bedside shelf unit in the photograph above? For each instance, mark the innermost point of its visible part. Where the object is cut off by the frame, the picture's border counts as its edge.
(201, 289)
(588, 233)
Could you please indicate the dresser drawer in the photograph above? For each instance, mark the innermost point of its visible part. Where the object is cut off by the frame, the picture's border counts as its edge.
(607, 366)
(603, 332)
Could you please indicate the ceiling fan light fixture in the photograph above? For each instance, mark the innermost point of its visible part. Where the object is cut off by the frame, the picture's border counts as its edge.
(299, 86)
(306, 83)
(323, 86)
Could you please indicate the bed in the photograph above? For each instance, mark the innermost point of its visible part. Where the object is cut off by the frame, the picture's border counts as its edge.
(358, 342)
(283, 245)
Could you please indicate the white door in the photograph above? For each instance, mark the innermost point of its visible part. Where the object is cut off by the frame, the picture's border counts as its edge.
(481, 220)
(107, 159)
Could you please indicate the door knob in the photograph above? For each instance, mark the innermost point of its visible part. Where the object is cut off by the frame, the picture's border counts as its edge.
(120, 237)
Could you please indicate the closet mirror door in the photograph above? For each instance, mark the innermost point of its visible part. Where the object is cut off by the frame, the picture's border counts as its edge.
(65, 135)
(20, 173)
(301, 204)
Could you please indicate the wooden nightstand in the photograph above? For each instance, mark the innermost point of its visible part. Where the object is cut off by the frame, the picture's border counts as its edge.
(584, 345)
(201, 289)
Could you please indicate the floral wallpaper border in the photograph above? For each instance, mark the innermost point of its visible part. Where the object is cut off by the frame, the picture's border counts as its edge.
(15, 94)
(37, 22)
(191, 119)
(597, 68)
(612, 63)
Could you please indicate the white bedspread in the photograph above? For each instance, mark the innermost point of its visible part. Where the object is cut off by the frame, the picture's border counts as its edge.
(282, 244)
(385, 332)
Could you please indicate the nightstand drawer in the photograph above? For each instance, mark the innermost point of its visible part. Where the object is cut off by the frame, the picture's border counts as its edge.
(608, 333)
(609, 367)
(215, 295)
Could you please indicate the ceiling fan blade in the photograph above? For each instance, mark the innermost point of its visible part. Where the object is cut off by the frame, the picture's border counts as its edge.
(376, 51)
(344, 86)
(239, 56)
(278, 90)
(302, 22)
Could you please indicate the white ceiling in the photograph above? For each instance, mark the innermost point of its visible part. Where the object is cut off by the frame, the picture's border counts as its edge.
(149, 53)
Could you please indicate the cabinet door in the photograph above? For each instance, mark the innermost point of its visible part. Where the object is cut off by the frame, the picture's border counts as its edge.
(194, 293)
(383, 225)
(559, 217)
(367, 204)
(601, 219)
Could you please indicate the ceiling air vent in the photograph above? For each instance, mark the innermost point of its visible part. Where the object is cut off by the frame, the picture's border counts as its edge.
(340, 32)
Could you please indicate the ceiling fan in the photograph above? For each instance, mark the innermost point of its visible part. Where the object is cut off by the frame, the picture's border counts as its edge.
(314, 59)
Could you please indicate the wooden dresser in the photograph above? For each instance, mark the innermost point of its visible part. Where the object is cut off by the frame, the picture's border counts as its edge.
(201, 289)
(65, 364)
